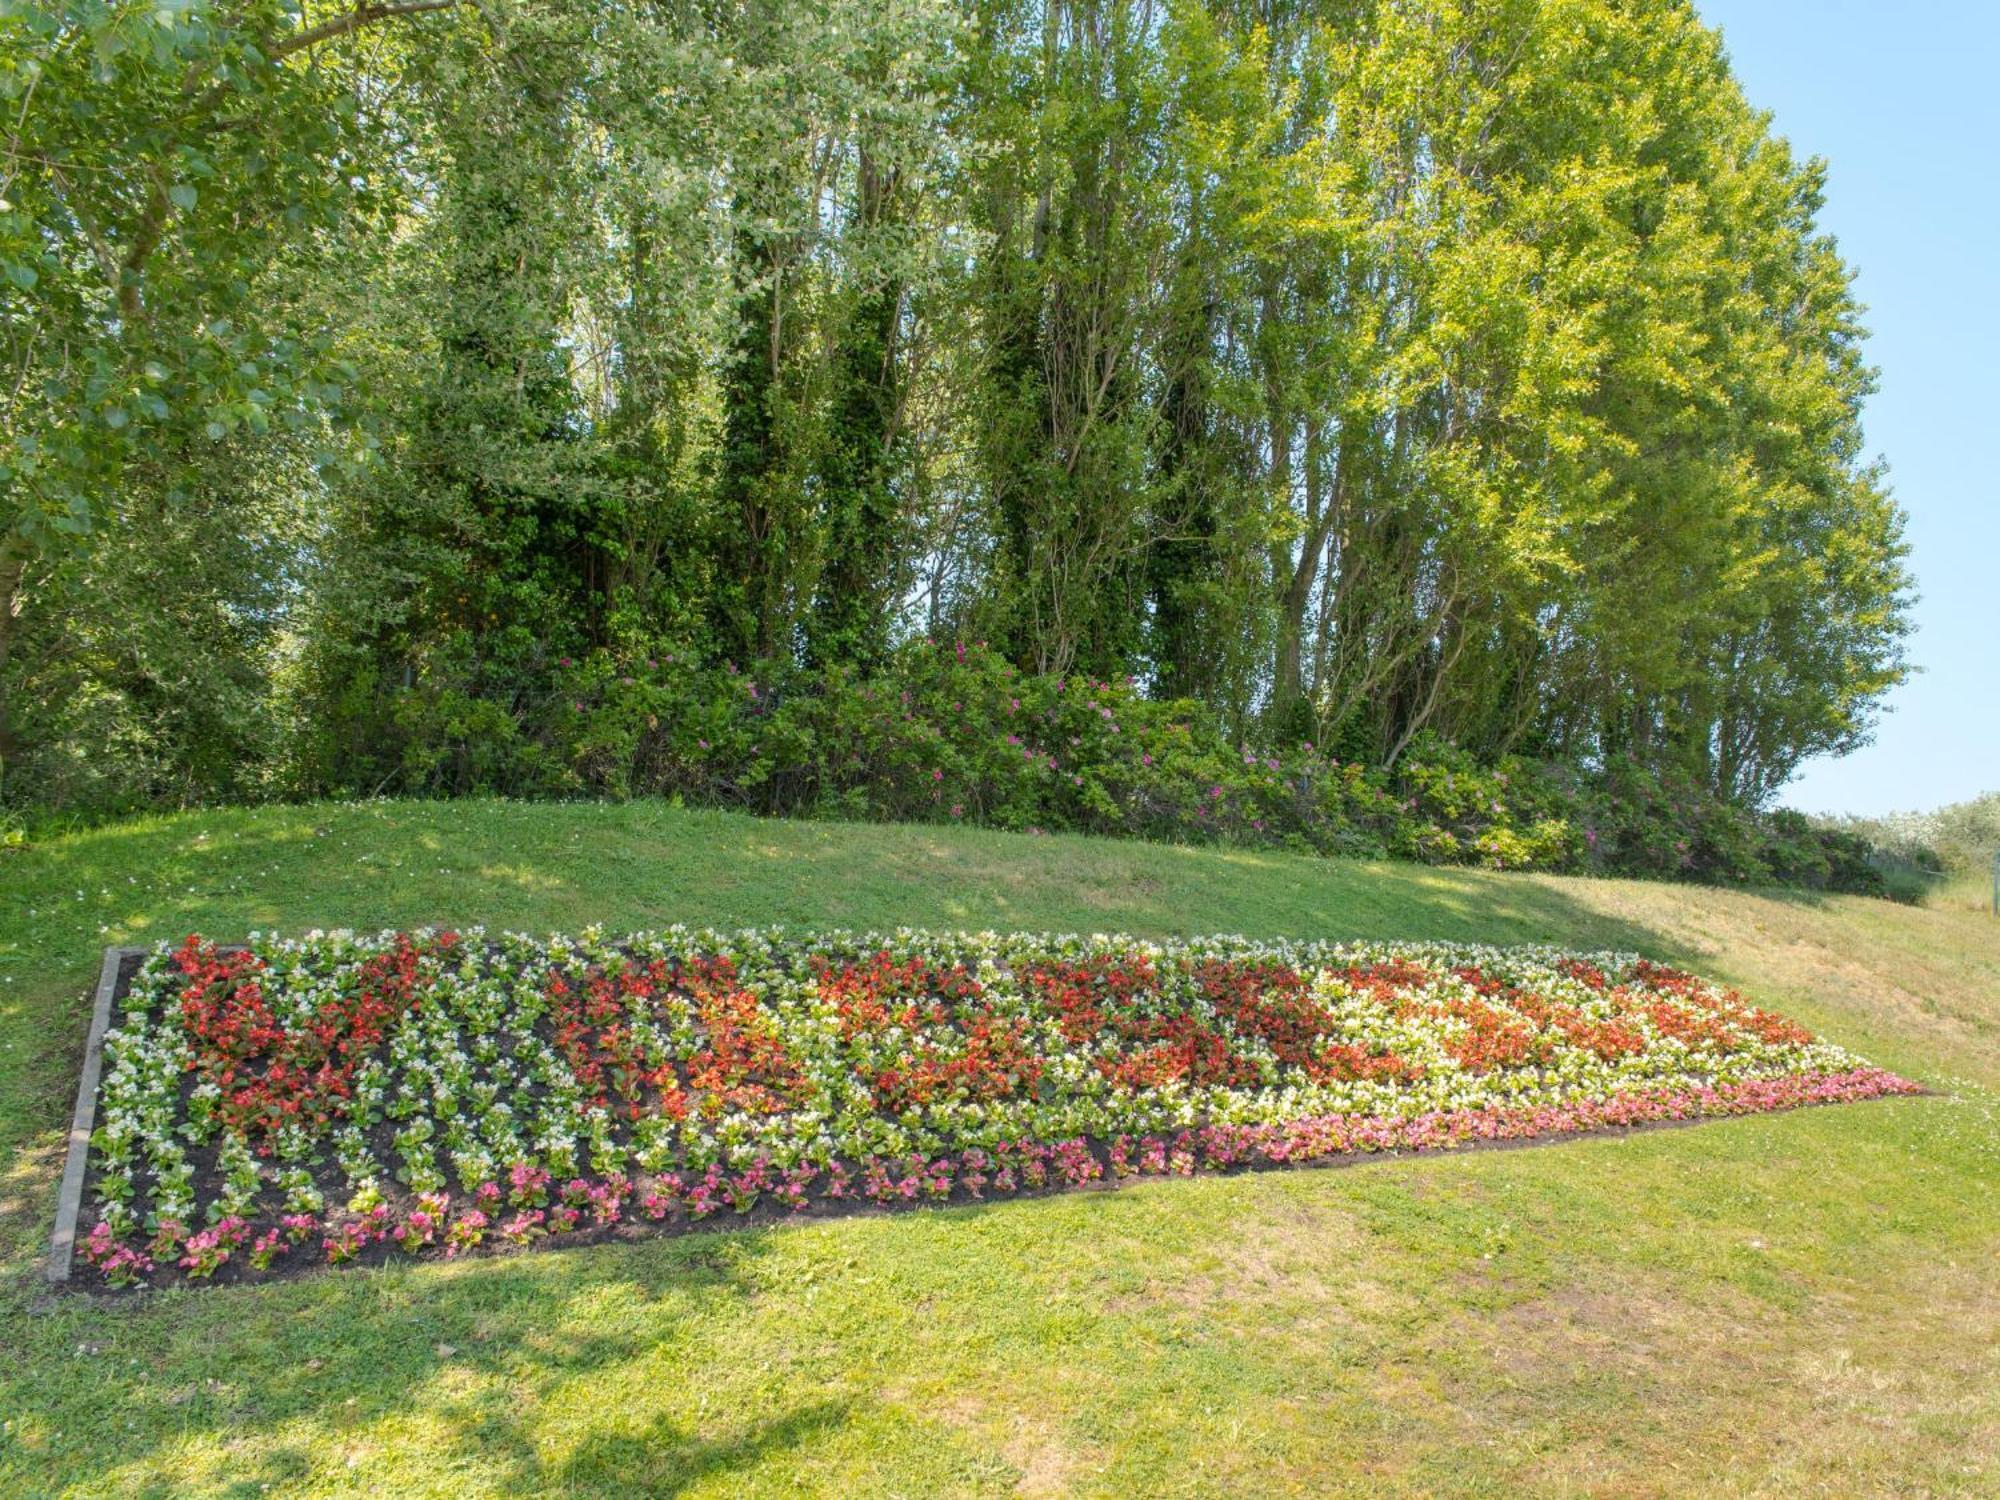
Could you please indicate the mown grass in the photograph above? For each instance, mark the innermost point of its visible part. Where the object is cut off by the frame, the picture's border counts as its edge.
(1806, 1304)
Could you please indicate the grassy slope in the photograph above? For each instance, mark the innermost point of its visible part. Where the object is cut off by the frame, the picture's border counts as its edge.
(1801, 1303)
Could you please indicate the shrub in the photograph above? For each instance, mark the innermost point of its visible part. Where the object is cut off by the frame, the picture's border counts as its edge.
(956, 734)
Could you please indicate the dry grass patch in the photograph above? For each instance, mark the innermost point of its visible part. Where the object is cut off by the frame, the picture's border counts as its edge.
(1303, 1269)
(1043, 1459)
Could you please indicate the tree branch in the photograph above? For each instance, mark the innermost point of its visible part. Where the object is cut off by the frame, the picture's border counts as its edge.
(159, 209)
(354, 20)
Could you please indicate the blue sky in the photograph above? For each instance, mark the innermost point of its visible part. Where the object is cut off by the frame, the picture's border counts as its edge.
(1899, 97)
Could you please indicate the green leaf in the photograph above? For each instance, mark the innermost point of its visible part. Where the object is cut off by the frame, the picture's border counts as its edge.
(182, 196)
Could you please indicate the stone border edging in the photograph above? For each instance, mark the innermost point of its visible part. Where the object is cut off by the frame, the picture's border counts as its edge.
(69, 1202)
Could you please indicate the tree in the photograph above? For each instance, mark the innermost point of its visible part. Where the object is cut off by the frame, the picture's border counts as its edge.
(1367, 371)
(159, 160)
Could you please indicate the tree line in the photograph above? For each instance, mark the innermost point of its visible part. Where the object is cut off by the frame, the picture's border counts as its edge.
(1368, 371)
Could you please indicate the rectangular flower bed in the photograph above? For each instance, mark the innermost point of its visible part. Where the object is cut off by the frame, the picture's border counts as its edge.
(342, 1098)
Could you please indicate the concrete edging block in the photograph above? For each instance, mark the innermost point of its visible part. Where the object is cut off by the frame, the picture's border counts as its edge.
(69, 1201)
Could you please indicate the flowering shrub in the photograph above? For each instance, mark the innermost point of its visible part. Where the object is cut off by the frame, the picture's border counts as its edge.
(954, 733)
(340, 1097)
(949, 734)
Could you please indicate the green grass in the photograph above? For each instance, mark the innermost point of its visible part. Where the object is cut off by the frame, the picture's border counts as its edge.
(1806, 1303)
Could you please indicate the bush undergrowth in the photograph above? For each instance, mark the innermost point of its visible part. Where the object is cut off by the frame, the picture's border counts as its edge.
(955, 734)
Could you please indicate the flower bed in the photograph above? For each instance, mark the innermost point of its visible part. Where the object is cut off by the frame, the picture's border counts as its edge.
(341, 1098)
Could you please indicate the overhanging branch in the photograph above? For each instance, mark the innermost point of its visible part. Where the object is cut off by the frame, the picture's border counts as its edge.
(158, 211)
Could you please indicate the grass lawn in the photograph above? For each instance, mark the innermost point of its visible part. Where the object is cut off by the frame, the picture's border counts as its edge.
(1802, 1303)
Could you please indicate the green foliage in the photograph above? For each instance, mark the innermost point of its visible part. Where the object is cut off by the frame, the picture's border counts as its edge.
(1961, 837)
(143, 673)
(959, 735)
(176, 180)
(1915, 852)
(1374, 376)
(160, 158)
(1513, 815)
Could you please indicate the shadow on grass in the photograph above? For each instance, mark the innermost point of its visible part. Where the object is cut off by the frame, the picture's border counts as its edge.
(661, 1459)
(664, 1460)
(330, 1367)
(99, 1394)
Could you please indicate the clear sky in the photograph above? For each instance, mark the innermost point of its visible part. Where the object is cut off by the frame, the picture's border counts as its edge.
(1900, 98)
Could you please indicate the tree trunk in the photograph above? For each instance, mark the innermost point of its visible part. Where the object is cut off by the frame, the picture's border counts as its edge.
(747, 546)
(1183, 560)
(13, 571)
(855, 592)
